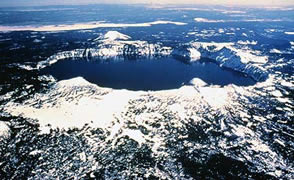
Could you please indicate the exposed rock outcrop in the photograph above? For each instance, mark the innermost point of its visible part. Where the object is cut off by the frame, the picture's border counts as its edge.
(226, 55)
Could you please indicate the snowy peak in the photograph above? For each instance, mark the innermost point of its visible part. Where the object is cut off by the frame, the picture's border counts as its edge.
(114, 35)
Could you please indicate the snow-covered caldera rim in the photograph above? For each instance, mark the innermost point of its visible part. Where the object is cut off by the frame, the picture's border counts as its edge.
(114, 45)
(227, 54)
(109, 46)
(83, 26)
(65, 112)
(247, 55)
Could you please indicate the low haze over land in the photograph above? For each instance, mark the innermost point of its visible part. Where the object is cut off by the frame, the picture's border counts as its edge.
(211, 2)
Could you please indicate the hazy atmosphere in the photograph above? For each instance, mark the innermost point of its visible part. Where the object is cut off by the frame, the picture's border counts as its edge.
(213, 2)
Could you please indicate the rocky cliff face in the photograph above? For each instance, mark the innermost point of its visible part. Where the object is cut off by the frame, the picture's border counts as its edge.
(226, 55)
(112, 45)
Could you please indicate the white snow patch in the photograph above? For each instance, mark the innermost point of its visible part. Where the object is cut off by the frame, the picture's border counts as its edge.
(78, 81)
(259, 118)
(275, 51)
(35, 152)
(114, 35)
(25, 67)
(4, 130)
(217, 46)
(270, 30)
(192, 33)
(194, 54)
(289, 33)
(258, 146)
(244, 115)
(242, 131)
(287, 84)
(83, 156)
(135, 135)
(280, 142)
(207, 20)
(221, 30)
(277, 93)
(180, 110)
(247, 42)
(278, 173)
(198, 82)
(244, 34)
(37, 41)
(216, 97)
(248, 56)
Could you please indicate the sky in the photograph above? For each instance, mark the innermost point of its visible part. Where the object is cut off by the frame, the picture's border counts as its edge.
(4, 3)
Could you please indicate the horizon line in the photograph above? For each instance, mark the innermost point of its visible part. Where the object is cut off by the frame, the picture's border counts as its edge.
(255, 6)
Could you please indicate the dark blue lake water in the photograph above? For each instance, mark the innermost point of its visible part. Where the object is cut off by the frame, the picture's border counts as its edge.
(145, 74)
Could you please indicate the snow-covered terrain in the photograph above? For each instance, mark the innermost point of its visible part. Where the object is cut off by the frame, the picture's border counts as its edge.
(238, 59)
(72, 128)
(151, 120)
